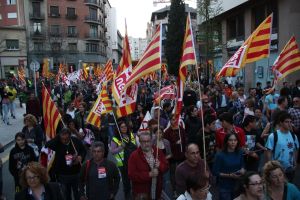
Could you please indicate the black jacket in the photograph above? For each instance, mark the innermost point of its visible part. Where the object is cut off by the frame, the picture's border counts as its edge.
(53, 191)
(61, 151)
(19, 158)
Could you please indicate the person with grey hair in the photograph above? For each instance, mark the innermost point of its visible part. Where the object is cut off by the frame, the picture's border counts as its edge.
(99, 176)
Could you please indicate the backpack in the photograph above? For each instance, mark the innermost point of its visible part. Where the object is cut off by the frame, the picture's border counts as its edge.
(276, 139)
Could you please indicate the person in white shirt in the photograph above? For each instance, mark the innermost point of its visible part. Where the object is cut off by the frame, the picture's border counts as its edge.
(197, 188)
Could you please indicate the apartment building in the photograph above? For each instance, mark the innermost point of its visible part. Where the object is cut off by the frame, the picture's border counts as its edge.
(13, 51)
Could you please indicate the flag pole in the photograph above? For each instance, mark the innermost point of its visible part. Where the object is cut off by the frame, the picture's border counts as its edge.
(117, 126)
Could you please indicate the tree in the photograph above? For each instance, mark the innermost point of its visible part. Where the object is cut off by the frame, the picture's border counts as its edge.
(209, 35)
(175, 34)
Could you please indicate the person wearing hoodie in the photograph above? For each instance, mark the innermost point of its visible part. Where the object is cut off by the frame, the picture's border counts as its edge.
(19, 157)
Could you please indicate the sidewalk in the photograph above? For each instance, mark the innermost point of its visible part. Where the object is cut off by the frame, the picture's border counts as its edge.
(7, 132)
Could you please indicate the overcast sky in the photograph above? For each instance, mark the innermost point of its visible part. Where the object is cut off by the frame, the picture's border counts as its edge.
(137, 14)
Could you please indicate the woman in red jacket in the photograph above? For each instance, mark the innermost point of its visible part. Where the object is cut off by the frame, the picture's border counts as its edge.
(146, 168)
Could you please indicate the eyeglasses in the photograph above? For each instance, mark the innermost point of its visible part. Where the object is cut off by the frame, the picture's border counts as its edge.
(257, 183)
(31, 178)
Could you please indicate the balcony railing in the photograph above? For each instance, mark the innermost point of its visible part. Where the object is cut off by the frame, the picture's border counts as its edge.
(55, 34)
(55, 15)
(72, 34)
(92, 3)
(91, 19)
(37, 16)
(37, 35)
(89, 36)
(68, 16)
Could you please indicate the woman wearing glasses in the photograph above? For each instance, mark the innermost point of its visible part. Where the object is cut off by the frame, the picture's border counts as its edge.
(35, 182)
(197, 188)
(251, 187)
(277, 187)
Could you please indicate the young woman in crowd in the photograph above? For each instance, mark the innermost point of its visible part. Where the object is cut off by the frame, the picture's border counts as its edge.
(277, 186)
(251, 187)
(35, 182)
(229, 166)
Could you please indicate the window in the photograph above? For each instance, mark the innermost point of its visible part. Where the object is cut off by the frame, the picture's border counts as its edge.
(38, 46)
(54, 11)
(55, 46)
(55, 30)
(71, 12)
(11, 15)
(11, 2)
(36, 8)
(93, 13)
(37, 27)
(72, 46)
(72, 31)
(93, 31)
(12, 44)
(91, 47)
(235, 27)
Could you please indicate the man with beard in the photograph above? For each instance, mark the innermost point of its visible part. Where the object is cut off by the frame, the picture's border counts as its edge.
(144, 166)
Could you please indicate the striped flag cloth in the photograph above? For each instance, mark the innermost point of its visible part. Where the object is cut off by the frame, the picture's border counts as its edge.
(98, 71)
(188, 58)
(150, 60)
(102, 106)
(288, 60)
(51, 117)
(108, 72)
(167, 92)
(256, 47)
(126, 99)
(51, 114)
(21, 74)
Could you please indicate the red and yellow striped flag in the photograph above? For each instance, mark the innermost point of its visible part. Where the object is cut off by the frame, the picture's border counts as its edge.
(51, 114)
(102, 106)
(188, 58)
(85, 72)
(98, 71)
(288, 60)
(108, 72)
(149, 62)
(256, 47)
(21, 74)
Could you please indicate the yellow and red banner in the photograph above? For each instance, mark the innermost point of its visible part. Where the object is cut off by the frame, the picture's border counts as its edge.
(102, 106)
(256, 47)
(288, 60)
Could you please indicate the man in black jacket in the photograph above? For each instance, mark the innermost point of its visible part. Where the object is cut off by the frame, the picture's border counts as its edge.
(69, 154)
(99, 176)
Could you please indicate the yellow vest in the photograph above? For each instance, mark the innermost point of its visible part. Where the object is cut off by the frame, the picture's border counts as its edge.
(120, 156)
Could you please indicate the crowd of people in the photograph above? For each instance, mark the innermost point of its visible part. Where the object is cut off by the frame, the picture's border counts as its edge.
(230, 144)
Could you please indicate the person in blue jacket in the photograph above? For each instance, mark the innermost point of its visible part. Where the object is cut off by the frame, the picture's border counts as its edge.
(229, 166)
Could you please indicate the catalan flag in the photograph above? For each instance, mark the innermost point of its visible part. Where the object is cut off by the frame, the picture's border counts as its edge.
(98, 71)
(21, 74)
(108, 72)
(288, 60)
(256, 47)
(85, 72)
(102, 105)
(126, 99)
(188, 58)
(150, 61)
(51, 114)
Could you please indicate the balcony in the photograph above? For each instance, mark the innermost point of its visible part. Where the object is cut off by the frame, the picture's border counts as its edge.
(93, 37)
(73, 35)
(54, 15)
(90, 19)
(36, 16)
(37, 35)
(71, 17)
(55, 34)
(92, 3)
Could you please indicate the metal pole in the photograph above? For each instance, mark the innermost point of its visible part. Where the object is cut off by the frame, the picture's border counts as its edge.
(34, 76)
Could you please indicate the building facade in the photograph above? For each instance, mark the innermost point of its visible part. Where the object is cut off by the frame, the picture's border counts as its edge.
(137, 47)
(13, 50)
(238, 22)
(67, 31)
(162, 16)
